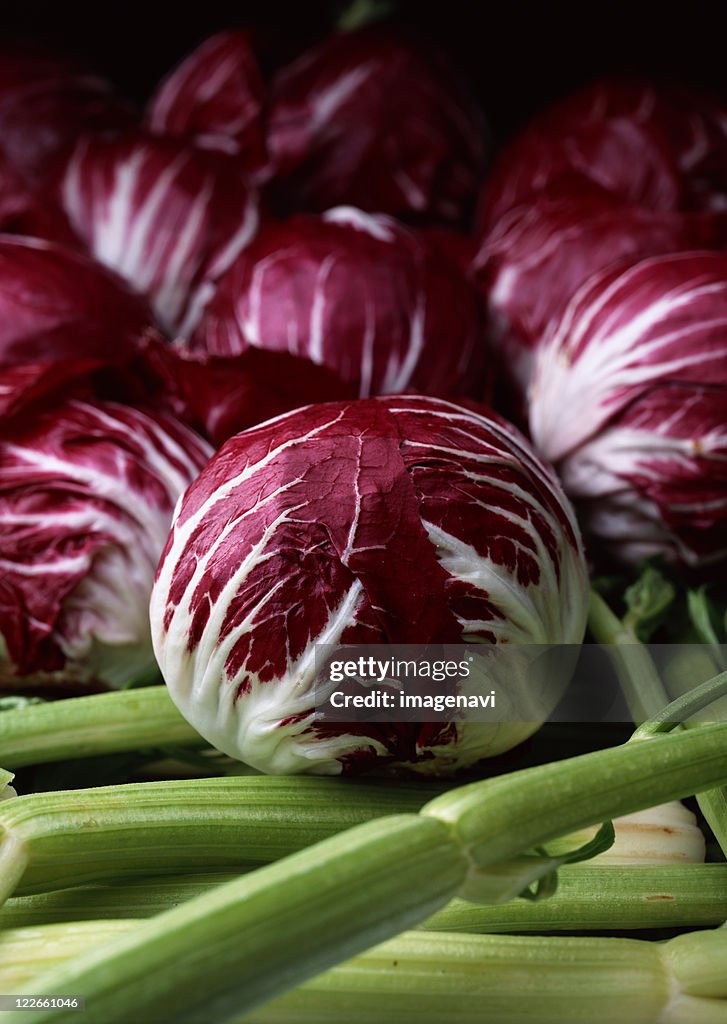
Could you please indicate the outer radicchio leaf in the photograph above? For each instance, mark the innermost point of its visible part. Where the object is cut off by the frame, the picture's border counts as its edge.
(214, 99)
(654, 480)
(221, 395)
(539, 254)
(373, 302)
(168, 218)
(56, 304)
(86, 498)
(639, 361)
(372, 119)
(400, 520)
(27, 385)
(46, 104)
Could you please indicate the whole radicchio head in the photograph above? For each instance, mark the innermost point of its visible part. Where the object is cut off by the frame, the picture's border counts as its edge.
(373, 119)
(398, 520)
(87, 491)
(629, 401)
(375, 303)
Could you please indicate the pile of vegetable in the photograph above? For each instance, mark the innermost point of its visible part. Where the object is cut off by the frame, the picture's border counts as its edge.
(292, 358)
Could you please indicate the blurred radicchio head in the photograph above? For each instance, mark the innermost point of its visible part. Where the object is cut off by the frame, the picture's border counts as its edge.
(659, 146)
(214, 99)
(538, 254)
(57, 304)
(168, 218)
(46, 104)
(87, 491)
(404, 519)
(26, 210)
(374, 302)
(629, 401)
(373, 119)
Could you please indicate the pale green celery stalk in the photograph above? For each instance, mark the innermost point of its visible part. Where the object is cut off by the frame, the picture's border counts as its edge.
(424, 978)
(27, 952)
(54, 840)
(646, 695)
(474, 979)
(142, 897)
(640, 682)
(104, 723)
(688, 703)
(226, 952)
(587, 899)
(601, 898)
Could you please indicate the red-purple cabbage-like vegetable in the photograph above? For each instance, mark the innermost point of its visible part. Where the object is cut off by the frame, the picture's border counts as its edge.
(168, 218)
(361, 295)
(692, 124)
(46, 104)
(657, 146)
(629, 400)
(407, 519)
(372, 119)
(214, 99)
(538, 255)
(27, 210)
(56, 303)
(221, 395)
(87, 492)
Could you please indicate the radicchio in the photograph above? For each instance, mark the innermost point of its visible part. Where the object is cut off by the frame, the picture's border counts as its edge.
(375, 120)
(657, 146)
(87, 492)
(400, 520)
(629, 400)
(25, 210)
(361, 295)
(57, 304)
(46, 104)
(214, 99)
(221, 395)
(539, 254)
(168, 218)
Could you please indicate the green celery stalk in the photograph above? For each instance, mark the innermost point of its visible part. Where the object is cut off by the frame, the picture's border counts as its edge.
(588, 898)
(226, 952)
(603, 898)
(638, 677)
(420, 978)
(426, 978)
(646, 695)
(28, 952)
(103, 723)
(54, 840)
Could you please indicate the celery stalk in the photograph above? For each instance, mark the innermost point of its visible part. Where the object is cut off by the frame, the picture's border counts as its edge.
(588, 898)
(226, 952)
(476, 979)
(647, 696)
(426, 978)
(53, 840)
(103, 723)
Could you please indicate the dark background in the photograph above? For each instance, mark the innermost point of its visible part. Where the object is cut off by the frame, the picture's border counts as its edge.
(517, 55)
